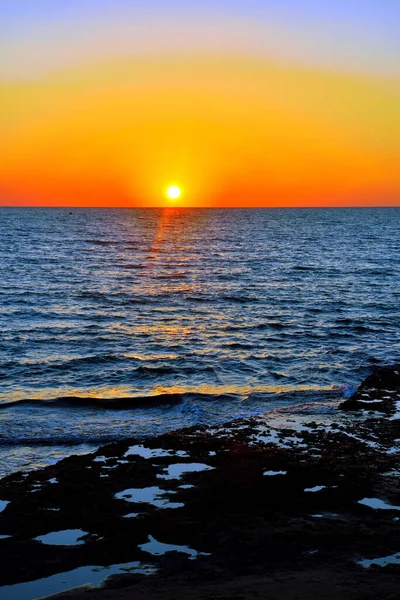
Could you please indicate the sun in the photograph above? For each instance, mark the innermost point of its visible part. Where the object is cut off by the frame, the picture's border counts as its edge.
(174, 192)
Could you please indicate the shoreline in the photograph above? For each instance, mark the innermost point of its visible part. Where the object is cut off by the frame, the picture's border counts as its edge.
(230, 511)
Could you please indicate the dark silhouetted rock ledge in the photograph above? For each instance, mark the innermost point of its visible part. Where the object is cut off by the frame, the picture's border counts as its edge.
(284, 506)
(380, 391)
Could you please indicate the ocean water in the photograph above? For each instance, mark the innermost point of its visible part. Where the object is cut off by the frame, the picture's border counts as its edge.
(117, 323)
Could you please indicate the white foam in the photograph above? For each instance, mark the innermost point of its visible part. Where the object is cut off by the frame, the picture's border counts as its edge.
(4, 537)
(368, 401)
(394, 473)
(271, 473)
(397, 413)
(3, 504)
(393, 450)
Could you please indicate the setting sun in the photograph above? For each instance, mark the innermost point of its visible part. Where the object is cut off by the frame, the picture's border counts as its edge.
(173, 192)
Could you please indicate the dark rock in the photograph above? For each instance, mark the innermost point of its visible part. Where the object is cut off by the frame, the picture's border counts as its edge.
(378, 392)
(265, 506)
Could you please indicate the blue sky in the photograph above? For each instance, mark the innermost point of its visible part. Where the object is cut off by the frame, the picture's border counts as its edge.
(373, 15)
(358, 35)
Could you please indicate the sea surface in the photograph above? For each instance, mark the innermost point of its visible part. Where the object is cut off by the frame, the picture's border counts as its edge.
(119, 323)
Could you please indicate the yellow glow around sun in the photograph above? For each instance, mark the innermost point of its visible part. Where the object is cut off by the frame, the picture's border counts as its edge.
(173, 192)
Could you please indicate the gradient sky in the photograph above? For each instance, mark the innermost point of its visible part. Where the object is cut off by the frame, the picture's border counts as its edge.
(262, 103)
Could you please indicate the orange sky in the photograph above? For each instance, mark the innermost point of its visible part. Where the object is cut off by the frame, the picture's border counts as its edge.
(229, 130)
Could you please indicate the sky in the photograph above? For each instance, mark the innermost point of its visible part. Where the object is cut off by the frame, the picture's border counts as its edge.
(257, 103)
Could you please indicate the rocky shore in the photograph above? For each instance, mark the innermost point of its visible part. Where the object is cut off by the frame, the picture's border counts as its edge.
(298, 507)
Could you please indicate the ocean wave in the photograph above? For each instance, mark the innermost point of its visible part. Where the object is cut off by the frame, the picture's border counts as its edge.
(199, 299)
(173, 370)
(239, 298)
(109, 242)
(60, 440)
(62, 428)
(246, 310)
(72, 364)
(129, 266)
(239, 345)
(170, 276)
(126, 362)
(118, 403)
(284, 393)
(155, 371)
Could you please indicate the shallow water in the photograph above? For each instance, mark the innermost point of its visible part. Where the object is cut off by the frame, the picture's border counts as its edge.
(377, 503)
(175, 471)
(159, 548)
(83, 576)
(150, 495)
(393, 559)
(66, 537)
(151, 320)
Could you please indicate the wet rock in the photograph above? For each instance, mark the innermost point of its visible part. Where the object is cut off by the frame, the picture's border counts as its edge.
(207, 489)
(380, 391)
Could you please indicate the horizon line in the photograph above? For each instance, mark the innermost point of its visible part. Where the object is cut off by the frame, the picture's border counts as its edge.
(163, 207)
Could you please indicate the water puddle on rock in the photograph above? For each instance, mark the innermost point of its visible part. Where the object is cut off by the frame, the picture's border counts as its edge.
(159, 548)
(176, 470)
(92, 576)
(3, 504)
(154, 452)
(151, 495)
(67, 537)
(393, 559)
(316, 488)
(376, 503)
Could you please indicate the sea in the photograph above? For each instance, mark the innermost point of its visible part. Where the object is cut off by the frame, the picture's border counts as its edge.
(134, 322)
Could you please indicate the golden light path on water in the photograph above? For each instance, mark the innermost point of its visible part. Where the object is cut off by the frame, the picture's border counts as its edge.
(120, 392)
(161, 233)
